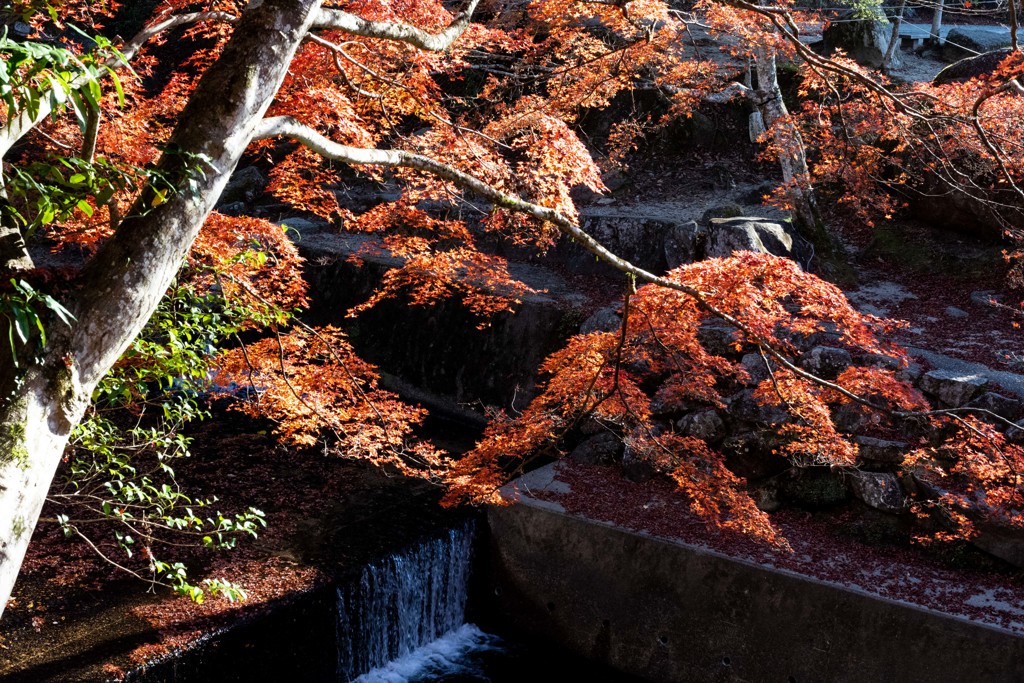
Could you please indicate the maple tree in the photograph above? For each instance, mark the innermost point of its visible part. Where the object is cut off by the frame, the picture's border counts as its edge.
(449, 104)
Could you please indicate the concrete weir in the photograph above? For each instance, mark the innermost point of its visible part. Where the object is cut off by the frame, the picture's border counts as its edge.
(669, 611)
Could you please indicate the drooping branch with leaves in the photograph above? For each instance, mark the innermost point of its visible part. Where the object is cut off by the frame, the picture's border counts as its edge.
(99, 157)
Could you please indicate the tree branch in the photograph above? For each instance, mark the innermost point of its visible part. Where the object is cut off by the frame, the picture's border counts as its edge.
(403, 33)
(24, 122)
(286, 126)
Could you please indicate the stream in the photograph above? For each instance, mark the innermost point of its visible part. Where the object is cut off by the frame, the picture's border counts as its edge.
(403, 621)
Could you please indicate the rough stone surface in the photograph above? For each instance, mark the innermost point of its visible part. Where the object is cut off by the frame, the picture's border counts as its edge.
(303, 226)
(743, 406)
(677, 613)
(850, 418)
(655, 243)
(1006, 544)
(953, 388)
(880, 450)
(1010, 382)
(879, 490)
(717, 337)
(973, 41)
(755, 366)
(501, 370)
(985, 298)
(826, 361)
(865, 41)
(954, 312)
(749, 455)
(682, 244)
(1016, 434)
(879, 360)
(635, 467)
(245, 185)
(971, 67)
(600, 449)
(726, 236)
(1003, 406)
(706, 425)
(605, 319)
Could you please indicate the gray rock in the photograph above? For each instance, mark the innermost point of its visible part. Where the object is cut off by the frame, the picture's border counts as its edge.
(1016, 434)
(1004, 542)
(954, 312)
(953, 389)
(1003, 406)
(880, 450)
(614, 179)
(767, 498)
(636, 466)
(815, 487)
(602, 320)
(878, 360)
(850, 418)
(864, 40)
(646, 241)
(880, 490)
(599, 449)
(682, 244)
(717, 337)
(303, 226)
(726, 236)
(910, 374)
(754, 364)
(971, 67)
(825, 361)
(245, 185)
(724, 211)
(967, 41)
(233, 208)
(705, 425)
(985, 297)
(743, 406)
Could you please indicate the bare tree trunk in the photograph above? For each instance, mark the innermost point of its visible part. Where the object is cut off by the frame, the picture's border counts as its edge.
(121, 286)
(787, 138)
(894, 39)
(793, 160)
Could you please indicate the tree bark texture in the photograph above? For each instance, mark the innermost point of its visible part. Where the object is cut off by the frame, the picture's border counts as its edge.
(122, 285)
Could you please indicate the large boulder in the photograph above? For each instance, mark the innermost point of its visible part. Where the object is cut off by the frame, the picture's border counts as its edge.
(864, 40)
(826, 361)
(953, 389)
(654, 242)
(969, 41)
(600, 449)
(728, 235)
(971, 67)
(880, 451)
(879, 490)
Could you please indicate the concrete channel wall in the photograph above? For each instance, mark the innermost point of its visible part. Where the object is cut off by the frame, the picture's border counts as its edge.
(668, 612)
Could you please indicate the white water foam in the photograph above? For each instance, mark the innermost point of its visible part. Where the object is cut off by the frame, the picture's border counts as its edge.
(403, 602)
(443, 656)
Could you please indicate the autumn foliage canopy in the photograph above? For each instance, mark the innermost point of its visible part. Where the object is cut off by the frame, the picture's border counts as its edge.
(502, 105)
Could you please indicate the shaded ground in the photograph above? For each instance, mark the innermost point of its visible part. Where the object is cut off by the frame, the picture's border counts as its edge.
(72, 618)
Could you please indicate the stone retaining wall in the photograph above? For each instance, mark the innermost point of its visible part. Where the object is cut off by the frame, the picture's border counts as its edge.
(669, 612)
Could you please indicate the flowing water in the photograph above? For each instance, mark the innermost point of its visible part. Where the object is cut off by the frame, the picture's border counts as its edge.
(405, 602)
(403, 621)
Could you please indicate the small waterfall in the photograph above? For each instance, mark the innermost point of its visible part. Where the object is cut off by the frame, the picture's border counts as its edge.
(403, 602)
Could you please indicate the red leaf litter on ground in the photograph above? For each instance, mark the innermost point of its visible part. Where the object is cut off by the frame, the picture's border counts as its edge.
(900, 573)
